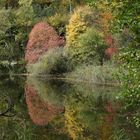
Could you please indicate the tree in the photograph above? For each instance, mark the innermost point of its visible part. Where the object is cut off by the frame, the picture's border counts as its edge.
(41, 38)
(128, 17)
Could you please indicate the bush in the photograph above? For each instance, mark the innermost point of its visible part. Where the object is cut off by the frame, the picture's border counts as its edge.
(52, 62)
(95, 74)
(90, 48)
(41, 38)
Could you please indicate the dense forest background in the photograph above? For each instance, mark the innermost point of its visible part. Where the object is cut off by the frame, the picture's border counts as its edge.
(17, 19)
(19, 16)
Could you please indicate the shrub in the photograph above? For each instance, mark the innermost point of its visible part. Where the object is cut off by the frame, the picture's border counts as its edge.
(52, 62)
(41, 38)
(95, 74)
(90, 48)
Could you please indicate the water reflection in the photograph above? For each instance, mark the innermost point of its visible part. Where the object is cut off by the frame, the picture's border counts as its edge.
(6, 108)
(90, 116)
(40, 111)
(85, 110)
(61, 110)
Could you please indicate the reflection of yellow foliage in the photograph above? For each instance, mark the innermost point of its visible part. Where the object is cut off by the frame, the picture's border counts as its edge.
(72, 124)
(106, 131)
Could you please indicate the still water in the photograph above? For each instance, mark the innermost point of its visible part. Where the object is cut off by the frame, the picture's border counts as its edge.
(39, 109)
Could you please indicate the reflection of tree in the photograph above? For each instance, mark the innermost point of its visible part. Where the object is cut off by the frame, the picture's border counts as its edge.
(89, 115)
(16, 127)
(80, 119)
(41, 112)
(10, 92)
(90, 112)
(108, 120)
(73, 125)
(20, 127)
(6, 106)
(51, 91)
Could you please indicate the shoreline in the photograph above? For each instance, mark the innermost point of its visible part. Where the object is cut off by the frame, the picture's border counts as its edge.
(67, 79)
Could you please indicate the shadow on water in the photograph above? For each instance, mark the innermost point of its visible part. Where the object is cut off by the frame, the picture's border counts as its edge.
(43, 109)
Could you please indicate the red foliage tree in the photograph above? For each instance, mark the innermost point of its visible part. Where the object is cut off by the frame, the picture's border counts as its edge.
(112, 49)
(41, 38)
(40, 112)
(106, 17)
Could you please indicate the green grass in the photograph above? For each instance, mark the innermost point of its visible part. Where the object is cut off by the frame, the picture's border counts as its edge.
(96, 74)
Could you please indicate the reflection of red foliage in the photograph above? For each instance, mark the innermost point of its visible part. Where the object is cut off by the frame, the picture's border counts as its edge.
(41, 38)
(107, 125)
(40, 112)
(111, 110)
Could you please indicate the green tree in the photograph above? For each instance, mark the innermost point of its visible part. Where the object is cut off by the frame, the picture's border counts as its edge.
(128, 17)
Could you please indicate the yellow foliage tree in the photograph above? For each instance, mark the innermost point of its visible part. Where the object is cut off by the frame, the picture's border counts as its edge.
(77, 24)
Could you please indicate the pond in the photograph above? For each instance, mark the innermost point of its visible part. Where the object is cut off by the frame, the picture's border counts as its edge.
(54, 109)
